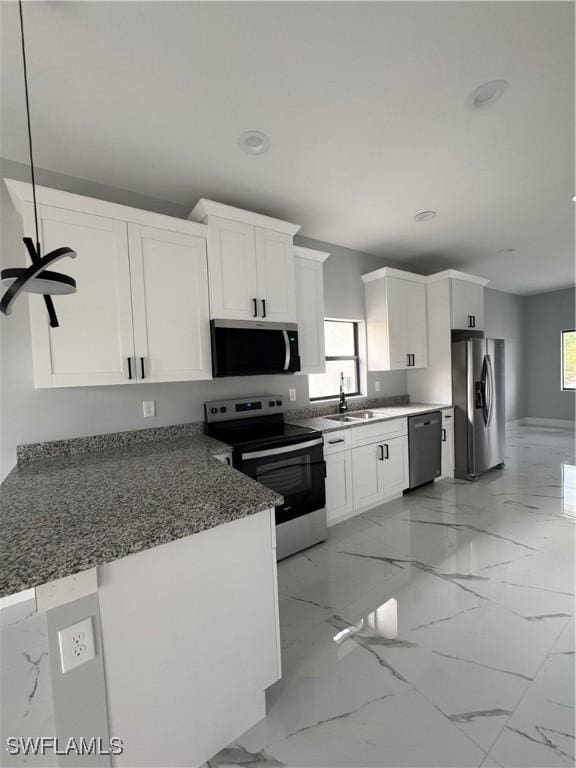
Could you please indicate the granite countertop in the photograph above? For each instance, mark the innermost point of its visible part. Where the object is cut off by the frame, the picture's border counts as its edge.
(66, 513)
(326, 424)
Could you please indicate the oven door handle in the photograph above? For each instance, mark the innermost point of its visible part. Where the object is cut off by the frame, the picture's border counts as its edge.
(283, 449)
(288, 355)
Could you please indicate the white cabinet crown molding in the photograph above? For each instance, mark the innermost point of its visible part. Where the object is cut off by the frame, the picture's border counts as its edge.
(454, 274)
(378, 274)
(205, 208)
(21, 193)
(310, 253)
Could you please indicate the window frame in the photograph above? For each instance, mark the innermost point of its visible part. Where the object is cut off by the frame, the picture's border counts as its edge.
(562, 370)
(332, 358)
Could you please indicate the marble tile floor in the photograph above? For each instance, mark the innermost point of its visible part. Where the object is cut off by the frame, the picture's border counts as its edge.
(436, 630)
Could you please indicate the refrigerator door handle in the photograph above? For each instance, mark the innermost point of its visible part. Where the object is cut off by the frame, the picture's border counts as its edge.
(490, 389)
(484, 389)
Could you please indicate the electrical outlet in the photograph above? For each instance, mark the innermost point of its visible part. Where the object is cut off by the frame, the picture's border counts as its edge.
(76, 644)
(292, 394)
(376, 386)
(149, 408)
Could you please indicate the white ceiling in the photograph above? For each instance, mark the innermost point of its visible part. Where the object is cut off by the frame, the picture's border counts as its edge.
(364, 104)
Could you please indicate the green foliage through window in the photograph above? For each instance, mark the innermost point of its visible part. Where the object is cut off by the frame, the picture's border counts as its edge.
(568, 359)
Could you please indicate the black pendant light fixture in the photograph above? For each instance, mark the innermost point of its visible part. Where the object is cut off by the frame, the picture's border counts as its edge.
(35, 278)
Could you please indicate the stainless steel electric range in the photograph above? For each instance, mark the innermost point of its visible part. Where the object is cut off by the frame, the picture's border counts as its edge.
(284, 457)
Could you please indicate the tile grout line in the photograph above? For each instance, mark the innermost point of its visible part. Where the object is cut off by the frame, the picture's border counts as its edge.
(529, 686)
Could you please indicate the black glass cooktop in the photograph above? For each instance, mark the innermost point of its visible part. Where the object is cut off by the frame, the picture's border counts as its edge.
(269, 430)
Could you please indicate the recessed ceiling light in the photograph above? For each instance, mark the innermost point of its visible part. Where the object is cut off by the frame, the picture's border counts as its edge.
(502, 251)
(254, 142)
(425, 216)
(486, 94)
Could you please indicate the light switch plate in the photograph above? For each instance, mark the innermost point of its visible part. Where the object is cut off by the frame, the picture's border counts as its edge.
(149, 408)
(76, 644)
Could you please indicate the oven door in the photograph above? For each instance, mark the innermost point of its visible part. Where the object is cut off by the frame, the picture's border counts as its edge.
(295, 471)
(252, 348)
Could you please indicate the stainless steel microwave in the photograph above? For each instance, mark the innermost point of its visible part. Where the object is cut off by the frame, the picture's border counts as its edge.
(253, 348)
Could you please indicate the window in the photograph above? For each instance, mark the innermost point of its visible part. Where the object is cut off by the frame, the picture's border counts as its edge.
(341, 357)
(568, 359)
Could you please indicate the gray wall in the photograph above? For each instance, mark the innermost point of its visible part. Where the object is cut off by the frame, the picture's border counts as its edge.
(504, 319)
(546, 315)
(29, 414)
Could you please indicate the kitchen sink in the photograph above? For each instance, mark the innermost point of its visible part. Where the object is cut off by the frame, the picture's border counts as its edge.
(344, 418)
(356, 416)
(366, 415)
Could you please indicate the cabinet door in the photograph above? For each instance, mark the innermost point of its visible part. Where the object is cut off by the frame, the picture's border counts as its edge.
(467, 305)
(395, 466)
(170, 305)
(448, 450)
(232, 267)
(396, 305)
(416, 323)
(367, 476)
(339, 496)
(276, 280)
(94, 340)
(310, 315)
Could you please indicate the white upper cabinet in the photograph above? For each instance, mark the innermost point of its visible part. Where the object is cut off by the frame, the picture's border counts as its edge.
(396, 319)
(233, 275)
(94, 342)
(467, 304)
(310, 308)
(140, 312)
(276, 275)
(170, 304)
(251, 264)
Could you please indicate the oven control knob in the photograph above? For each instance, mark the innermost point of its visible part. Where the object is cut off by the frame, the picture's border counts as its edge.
(271, 403)
(278, 402)
(213, 410)
(223, 409)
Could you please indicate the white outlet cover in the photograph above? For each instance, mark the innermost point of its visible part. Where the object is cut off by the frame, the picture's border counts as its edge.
(149, 408)
(76, 644)
(376, 386)
(292, 394)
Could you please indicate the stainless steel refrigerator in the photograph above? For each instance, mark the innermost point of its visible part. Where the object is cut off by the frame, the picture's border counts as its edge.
(478, 393)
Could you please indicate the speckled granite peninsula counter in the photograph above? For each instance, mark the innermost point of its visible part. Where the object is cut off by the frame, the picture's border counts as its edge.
(76, 504)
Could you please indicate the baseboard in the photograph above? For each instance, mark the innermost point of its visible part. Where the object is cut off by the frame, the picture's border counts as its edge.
(533, 421)
(514, 423)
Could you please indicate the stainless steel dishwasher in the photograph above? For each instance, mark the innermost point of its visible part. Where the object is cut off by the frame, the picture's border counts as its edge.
(425, 447)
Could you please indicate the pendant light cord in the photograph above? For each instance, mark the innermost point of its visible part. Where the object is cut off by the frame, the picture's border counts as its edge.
(29, 126)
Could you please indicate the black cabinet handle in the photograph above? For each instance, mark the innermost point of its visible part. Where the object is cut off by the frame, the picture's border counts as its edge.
(380, 453)
(263, 307)
(473, 321)
(413, 360)
(387, 453)
(335, 442)
(143, 376)
(408, 361)
(129, 367)
(443, 435)
(255, 312)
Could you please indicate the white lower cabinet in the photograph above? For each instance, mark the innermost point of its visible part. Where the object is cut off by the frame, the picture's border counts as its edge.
(448, 449)
(395, 467)
(339, 495)
(365, 466)
(368, 478)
